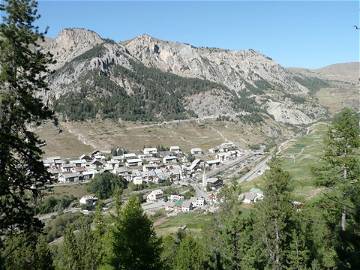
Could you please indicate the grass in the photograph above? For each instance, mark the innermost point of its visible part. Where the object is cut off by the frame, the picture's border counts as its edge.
(82, 137)
(77, 190)
(195, 222)
(337, 98)
(298, 159)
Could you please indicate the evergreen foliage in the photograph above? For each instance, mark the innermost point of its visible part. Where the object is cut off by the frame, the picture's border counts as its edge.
(105, 184)
(22, 77)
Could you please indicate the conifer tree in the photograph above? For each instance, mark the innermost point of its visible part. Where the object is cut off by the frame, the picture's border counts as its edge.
(27, 251)
(190, 255)
(22, 79)
(276, 225)
(340, 173)
(132, 240)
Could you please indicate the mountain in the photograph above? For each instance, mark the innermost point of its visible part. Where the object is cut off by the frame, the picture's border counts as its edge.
(153, 80)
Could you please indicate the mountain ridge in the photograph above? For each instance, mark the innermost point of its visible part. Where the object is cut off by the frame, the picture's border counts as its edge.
(144, 70)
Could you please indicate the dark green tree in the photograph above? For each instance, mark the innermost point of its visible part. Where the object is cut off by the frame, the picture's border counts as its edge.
(22, 79)
(105, 184)
(81, 250)
(340, 173)
(276, 222)
(132, 240)
(27, 251)
(190, 255)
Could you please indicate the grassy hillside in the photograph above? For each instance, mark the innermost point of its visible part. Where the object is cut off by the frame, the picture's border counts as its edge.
(82, 137)
(298, 159)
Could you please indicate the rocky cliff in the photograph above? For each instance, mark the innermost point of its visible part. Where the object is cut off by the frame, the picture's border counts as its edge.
(149, 79)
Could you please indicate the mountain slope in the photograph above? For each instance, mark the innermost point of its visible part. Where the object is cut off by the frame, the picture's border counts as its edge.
(149, 79)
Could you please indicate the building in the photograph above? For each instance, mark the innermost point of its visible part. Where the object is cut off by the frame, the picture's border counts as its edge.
(175, 149)
(150, 151)
(196, 151)
(170, 159)
(252, 196)
(155, 195)
(88, 200)
(175, 197)
(69, 177)
(213, 183)
(133, 162)
(187, 206)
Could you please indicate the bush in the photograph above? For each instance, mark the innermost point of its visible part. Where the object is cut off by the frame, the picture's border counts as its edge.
(105, 184)
(55, 204)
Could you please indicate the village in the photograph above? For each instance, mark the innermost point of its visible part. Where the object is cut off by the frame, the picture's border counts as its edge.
(202, 172)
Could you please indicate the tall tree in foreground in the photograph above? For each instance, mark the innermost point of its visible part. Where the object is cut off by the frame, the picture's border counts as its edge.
(340, 173)
(132, 242)
(277, 228)
(23, 70)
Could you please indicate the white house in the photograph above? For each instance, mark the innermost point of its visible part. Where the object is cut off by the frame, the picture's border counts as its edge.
(170, 159)
(79, 162)
(154, 195)
(198, 202)
(150, 151)
(138, 180)
(196, 151)
(213, 163)
(187, 206)
(175, 197)
(134, 162)
(175, 149)
(88, 200)
(69, 177)
(150, 167)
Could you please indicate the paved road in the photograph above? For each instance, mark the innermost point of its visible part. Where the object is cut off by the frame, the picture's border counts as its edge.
(254, 172)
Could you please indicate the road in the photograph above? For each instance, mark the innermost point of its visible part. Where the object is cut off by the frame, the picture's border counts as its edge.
(253, 173)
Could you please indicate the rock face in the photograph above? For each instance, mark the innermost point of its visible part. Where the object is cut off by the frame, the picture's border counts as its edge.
(235, 69)
(150, 79)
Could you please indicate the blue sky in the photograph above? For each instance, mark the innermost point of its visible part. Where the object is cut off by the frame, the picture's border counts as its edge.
(303, 34)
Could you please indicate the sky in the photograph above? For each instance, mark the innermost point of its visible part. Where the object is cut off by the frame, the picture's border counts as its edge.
(295, 34)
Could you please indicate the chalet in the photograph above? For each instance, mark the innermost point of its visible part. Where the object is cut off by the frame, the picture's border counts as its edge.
(135, 162)
(187, 206)
(129, 156)
(198, 202)
(170, 159)
(88, 175)
(214, 183)
(78, 163)
(252, 196)
(155, 195)
(194, 165)
(175, 149)
(67, 168)
(69, 177)
(150, 151)
(196, 151)
(150, 167)
(88, 200)
(175, 197)
(97, 164)
(138, 180)
(213, 163)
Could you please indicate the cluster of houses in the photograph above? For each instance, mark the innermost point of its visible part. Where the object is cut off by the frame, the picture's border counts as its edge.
(175, 202)
(147, 166)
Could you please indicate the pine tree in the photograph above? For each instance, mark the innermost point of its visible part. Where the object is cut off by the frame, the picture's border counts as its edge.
(133, 242)
(27, 251)
(340, 172)
(81, 250)
(190, 255)
(22, 78)
(276, 225)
